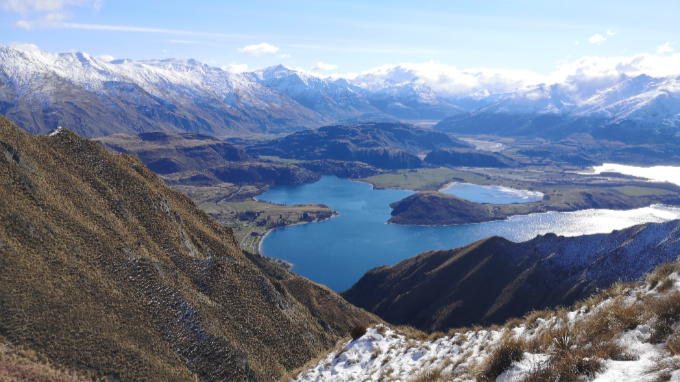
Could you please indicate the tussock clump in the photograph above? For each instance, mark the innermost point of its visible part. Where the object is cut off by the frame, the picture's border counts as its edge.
(666, 312)
(531, 318)
(663, 368)
(661, 273)
(501, 358)
(673, 343)
(434, 375)
(412, 333)
(565, 369)
(357, 332)
(514, 323)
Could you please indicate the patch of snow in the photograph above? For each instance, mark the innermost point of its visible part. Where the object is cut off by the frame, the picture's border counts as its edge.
(55, 132)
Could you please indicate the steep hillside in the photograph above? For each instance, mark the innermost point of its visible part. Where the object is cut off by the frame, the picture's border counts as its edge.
(628, 332)
(384, 145)
(494, 279)
(107, 272)
(468, 158)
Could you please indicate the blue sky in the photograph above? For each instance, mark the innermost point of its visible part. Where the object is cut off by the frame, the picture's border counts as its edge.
(352, 36)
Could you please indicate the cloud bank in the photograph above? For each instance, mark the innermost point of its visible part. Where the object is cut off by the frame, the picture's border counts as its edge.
(256, 50)
(450, 81)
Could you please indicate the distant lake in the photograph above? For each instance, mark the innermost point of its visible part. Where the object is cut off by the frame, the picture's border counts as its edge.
(492, 194)
(656, 173)
(339, 251)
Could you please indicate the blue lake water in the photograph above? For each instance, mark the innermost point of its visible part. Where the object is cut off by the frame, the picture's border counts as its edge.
(339, 251)
(492, 194)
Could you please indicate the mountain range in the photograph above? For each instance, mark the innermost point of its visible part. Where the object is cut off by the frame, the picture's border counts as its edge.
(639, 109)
(40, 91)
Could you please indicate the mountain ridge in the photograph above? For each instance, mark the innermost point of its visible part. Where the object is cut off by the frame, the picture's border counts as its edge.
(493, 279)
(108, 272)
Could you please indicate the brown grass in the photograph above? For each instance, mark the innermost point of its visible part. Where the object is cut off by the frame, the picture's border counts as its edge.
(106, 268)
(357, 332)
(27, 365)
(665, 310)
(661, 273)
(500, 358)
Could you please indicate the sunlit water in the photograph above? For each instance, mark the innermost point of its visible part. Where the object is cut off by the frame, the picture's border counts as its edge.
(657, 173)
(339, 251)
(491, 194)
(486, 145)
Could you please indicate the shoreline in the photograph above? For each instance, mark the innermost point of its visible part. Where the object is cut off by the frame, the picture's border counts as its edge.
(509, 217)
(259, 245)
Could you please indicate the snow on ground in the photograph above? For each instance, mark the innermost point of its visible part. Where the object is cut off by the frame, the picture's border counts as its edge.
(387, 354)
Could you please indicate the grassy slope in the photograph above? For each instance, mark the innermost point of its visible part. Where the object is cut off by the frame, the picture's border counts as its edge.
(109, 272)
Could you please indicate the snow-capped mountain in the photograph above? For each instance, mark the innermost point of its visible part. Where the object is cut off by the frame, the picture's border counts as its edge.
(613, 111)
(334, 100)
(412, 100)
(40, 91)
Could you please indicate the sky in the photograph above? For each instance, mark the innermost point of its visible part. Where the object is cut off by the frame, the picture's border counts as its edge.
(533, 39)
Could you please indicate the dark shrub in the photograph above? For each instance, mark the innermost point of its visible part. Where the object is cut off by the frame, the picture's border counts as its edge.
(357, 332)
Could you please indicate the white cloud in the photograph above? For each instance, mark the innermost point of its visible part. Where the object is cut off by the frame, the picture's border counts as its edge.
(614, 67)
(256, 50)
(48, 20)
(106, 58)
(610, 33)
(27, 6)
(44, 13)
(449, 81)
(285, 55)
(322, 66)
(665, 48)
(235, 68)
(597, 39)
(24, 47)
(576, 42)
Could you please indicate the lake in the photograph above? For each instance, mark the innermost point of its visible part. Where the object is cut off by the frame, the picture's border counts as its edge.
(491, 194)
(339, 251)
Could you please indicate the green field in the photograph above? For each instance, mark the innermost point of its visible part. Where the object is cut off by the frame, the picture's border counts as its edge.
(426, 179)
(642, 191)
(228, 213)
(277, 159)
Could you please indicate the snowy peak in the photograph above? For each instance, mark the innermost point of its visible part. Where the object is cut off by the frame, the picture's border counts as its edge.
(281, 98)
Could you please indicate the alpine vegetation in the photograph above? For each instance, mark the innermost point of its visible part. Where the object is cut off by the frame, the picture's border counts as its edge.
(626, 333)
